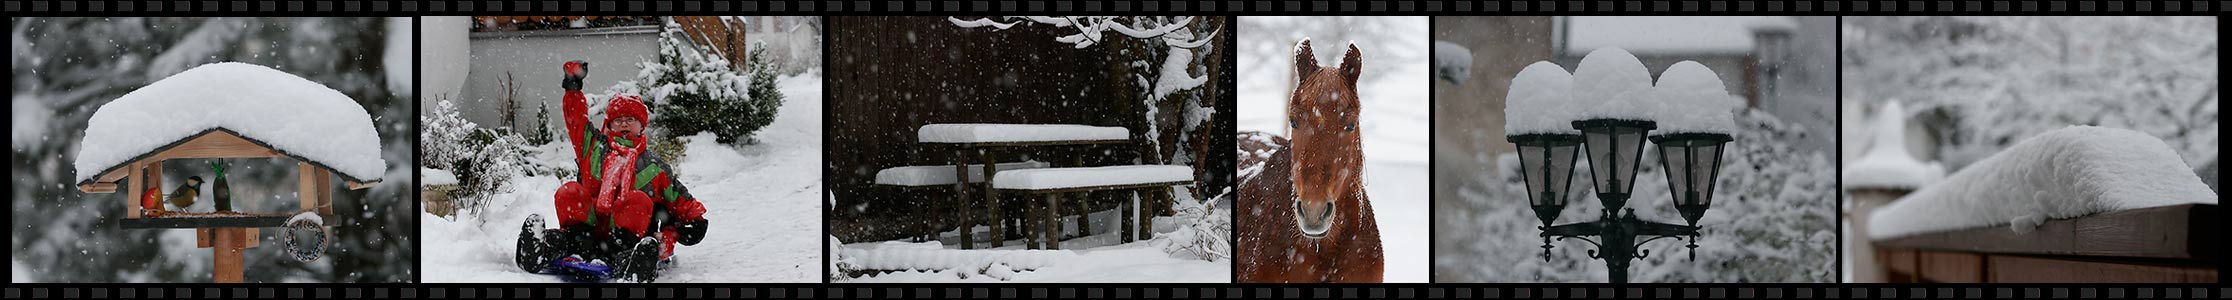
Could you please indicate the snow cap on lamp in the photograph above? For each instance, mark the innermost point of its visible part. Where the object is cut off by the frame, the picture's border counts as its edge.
(1692, 99)
(1611, 83)
(1540, 101)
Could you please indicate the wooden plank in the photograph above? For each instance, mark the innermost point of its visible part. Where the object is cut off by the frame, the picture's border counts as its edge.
(98, 188)
(1029, 144)
(961, 198)
(2038, 269)
(215, 144)
(204, 222)
(1898, 261)
(358, 185)
(991, 197)
(325, 193)
(1950, 267)
(132, 191)
(2170, 232)
(306, 179)
(228, 255)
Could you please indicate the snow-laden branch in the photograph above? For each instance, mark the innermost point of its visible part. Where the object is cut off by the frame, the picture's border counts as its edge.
(1091, 30)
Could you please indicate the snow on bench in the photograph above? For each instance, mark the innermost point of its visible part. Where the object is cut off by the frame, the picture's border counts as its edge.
(1063, 178)
(290, 114)
(1003, 133)
(943, 175)
(909, 256)
(2060, 174)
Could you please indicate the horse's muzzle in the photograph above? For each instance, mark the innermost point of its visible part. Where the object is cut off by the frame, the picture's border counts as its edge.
(1313, 222)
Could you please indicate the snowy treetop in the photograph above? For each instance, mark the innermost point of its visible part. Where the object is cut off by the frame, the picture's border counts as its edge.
(1886, 164)
(290, 114)
(1541, 96)
(2060, 174)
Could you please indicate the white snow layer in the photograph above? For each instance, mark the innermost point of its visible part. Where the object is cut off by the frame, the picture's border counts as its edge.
(396, 59)
(1540, 101)
(2059, 174)
(992, 133)
(1886, 164)
(311, 216)
(1612, 84)
(291, 114)
(1692, 100)
(931, 256)
(1056, 178)
(1174, 77)
(433, 177)
(943, 175)
(1453, 62)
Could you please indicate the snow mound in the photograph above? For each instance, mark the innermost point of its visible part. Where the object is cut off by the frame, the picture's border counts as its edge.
(1886, 163)
(1540, 101)
(1453, 62)
(1056, 178)
(892, 256)
(432, 177)
(288, 113)
(995, 133)
(1615, 85)
(2060, 174)
(1693, 100)
(943, 175)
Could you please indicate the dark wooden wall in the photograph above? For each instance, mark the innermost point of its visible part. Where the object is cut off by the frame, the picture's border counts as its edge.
(887, 76)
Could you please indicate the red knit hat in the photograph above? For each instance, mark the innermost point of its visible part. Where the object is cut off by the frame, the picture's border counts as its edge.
(627, 105)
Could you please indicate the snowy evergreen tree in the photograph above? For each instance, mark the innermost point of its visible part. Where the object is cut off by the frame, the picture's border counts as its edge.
(690, 91)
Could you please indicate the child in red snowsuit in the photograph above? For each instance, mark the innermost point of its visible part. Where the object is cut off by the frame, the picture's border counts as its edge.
(626, 195)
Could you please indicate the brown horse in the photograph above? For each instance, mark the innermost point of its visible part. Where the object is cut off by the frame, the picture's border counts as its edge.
(1303, 213)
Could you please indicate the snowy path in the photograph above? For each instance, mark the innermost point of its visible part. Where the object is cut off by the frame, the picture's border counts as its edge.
(762, 201)
(1098, 259)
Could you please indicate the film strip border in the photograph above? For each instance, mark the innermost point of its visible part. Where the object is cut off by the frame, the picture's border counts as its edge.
(1401, 291)
(1290, 7)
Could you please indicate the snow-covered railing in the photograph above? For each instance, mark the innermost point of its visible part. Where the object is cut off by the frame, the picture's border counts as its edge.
(2060, 174)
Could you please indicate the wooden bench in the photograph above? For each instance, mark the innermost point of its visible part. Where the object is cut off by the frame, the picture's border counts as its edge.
(913, 178)
(988, 138)
(1150, 183)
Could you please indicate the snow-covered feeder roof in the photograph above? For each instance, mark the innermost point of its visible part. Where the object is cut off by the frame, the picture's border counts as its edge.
(1692, 100)
(270, 108)
(2060, 174)
(1611, 83)
(1886, 164)
(1672, 34)
(1540, 101)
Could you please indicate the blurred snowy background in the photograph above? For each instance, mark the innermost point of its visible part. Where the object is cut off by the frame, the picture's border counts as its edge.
(1971, 87)
(1393, 89)
(1773, 217)
(1975, 85)
(66, 68)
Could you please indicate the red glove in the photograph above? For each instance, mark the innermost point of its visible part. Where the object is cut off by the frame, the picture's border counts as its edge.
(575, 71)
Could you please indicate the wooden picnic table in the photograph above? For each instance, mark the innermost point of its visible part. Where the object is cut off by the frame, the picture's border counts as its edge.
(985, 139)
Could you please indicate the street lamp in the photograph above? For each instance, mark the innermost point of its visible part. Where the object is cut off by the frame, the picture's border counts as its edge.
(1614, 133)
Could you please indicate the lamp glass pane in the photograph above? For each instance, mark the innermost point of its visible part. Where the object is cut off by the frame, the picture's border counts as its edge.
(1675, 156)
(1706, 156)
(1630, 147)
(1561, 176)
(1531, 162)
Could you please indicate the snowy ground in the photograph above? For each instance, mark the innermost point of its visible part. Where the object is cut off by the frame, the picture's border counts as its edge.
(1099, 258)
(1395, 103)
(761, 200)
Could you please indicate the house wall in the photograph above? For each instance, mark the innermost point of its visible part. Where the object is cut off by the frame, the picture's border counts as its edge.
(533, 59)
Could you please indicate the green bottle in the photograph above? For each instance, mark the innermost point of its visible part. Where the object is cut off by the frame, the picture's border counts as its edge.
(220, 190)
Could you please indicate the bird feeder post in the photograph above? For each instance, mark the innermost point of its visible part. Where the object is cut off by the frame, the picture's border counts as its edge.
(308, 181)
(132, 191)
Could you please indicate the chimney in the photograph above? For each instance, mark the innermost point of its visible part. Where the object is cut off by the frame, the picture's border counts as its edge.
(1770, 48)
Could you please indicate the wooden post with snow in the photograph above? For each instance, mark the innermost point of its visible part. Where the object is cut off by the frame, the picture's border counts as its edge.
(260, 113)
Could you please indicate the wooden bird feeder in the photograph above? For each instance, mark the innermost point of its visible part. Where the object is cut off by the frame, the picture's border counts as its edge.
(228, 233)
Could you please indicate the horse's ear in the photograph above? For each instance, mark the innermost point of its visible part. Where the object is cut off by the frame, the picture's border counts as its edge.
(1304, 62)
(1352, 64)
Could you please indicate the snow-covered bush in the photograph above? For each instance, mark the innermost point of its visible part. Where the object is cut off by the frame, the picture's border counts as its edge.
(442, 135)
(690, 91)
(1205, 234)
(491, 159)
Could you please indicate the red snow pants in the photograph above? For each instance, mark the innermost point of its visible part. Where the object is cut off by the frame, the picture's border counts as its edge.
(578, 205)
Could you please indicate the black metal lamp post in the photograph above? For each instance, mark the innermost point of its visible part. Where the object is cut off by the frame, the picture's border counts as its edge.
(1614, 148)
